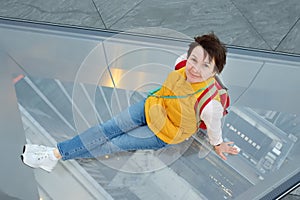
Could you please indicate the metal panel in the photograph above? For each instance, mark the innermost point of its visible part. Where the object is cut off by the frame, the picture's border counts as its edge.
(275, 87)
(50, 54)
(17, 181)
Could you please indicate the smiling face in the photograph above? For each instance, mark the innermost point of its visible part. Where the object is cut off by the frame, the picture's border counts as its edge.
(199, 66)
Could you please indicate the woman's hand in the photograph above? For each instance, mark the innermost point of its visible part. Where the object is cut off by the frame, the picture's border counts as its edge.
(225, 147)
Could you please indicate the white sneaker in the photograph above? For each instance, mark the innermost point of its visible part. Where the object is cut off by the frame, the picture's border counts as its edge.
(38, 156)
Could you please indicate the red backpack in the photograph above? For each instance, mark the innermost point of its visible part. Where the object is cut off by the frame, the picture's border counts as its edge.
(214, 89)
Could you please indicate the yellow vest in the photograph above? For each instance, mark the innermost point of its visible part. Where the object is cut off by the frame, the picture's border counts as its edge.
(174, 119)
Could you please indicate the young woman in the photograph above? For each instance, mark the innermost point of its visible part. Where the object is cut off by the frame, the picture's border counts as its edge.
(165, 118)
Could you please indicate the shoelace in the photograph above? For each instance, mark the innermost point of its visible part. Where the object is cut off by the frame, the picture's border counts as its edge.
(41, 155)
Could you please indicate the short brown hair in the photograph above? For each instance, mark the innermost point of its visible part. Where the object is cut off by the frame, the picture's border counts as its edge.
(213, 47)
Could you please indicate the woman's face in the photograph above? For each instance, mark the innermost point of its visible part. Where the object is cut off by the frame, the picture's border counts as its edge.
(199, 68)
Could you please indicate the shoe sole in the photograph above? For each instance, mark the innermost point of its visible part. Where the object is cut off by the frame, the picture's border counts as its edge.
(35, 167)
(25, 148)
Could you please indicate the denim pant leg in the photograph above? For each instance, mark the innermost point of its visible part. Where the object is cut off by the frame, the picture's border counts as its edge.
(88, 143)
(140, 138)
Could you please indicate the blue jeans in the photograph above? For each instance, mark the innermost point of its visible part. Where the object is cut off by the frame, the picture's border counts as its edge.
(126, 131)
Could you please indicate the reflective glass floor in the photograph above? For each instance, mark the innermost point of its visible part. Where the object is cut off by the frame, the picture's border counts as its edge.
(67, 80)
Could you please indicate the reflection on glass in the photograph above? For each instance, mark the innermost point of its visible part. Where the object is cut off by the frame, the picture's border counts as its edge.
(267, 140)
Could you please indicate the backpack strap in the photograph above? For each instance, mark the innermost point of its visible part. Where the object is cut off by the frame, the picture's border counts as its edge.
(224, 97)
(217, 88)
(207, 95)
(180, 65)
(181, 61)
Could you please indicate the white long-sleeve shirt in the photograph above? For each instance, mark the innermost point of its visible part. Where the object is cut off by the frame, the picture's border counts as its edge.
(212, 115)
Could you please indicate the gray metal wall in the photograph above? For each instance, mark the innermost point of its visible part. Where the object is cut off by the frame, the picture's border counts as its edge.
(17, 181)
